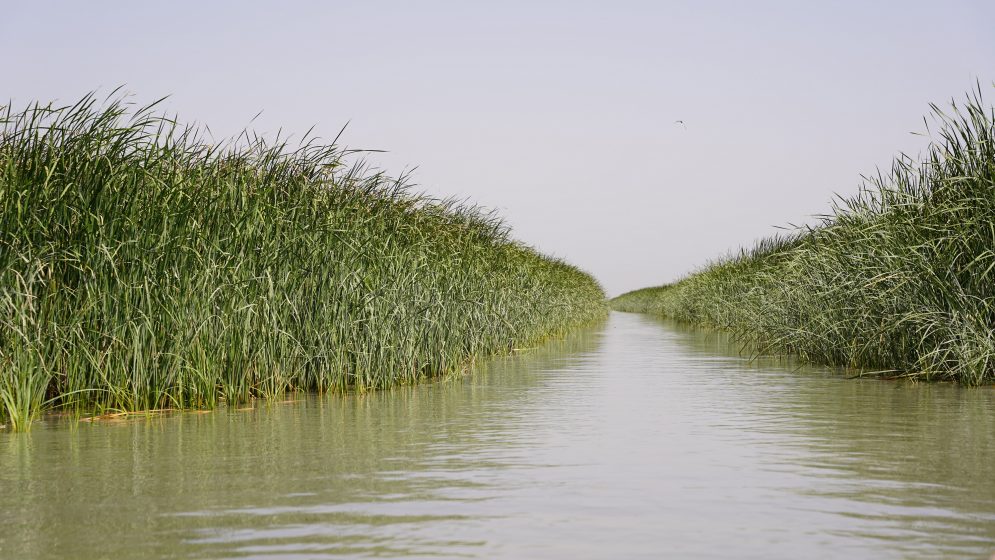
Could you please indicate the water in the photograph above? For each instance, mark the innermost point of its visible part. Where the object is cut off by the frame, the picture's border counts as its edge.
(637, 439)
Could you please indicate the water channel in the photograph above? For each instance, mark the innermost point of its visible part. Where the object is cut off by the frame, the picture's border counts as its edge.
(635, 439)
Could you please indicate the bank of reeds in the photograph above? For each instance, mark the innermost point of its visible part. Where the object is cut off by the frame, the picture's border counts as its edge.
(142, 267)
(899, 279)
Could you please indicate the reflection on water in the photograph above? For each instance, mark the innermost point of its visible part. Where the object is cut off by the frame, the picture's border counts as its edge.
(639, 438)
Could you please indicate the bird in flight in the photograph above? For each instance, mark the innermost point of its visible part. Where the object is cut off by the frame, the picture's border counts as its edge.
(682, 124)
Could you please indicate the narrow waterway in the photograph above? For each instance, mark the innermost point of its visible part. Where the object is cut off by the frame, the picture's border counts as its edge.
(635, 439)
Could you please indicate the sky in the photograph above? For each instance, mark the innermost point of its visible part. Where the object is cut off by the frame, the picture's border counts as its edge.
(560, 115)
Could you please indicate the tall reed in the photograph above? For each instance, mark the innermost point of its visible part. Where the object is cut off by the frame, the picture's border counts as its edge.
(898, 279)
(144, 267)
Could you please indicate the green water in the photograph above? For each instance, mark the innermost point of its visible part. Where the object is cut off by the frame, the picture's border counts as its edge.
(635, 439)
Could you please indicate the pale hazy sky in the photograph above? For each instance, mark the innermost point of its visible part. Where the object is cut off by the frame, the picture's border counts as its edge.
(558, 114)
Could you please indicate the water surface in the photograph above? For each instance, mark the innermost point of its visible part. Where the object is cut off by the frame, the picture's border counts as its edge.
(635, 439)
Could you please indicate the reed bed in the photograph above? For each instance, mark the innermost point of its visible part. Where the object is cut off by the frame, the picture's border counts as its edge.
(143, 267)
(898, 280)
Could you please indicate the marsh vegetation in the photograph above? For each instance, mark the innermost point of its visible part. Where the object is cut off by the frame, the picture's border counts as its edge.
(144, 267)
(898, 280)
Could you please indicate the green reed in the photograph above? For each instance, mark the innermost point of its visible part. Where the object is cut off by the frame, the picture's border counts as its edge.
(142, 267)
(899, 279)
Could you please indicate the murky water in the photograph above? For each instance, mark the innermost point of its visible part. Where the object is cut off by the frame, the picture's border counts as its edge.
(636, 439)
